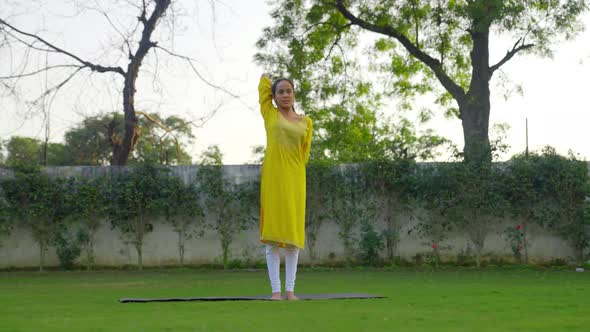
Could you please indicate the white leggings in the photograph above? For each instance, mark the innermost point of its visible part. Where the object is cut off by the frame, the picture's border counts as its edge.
(273, 261)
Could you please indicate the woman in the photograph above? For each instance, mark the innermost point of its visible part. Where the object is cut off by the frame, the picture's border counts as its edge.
(282, 192)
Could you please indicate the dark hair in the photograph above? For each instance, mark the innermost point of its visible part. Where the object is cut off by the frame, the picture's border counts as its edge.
(279, 80)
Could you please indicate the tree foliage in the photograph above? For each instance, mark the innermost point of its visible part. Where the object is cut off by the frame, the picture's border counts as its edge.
(229, 207)
(183, 210)
(21, 151)
(37, 202)
(136, 202)
(140, 33)
(6, 224)
(90, 199)
(420, 47)
(163, 140)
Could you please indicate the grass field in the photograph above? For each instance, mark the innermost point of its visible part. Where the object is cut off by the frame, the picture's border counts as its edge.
(509, 299)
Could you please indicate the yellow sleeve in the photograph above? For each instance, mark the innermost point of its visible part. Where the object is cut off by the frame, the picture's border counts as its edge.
(307, 140)
(265, 97)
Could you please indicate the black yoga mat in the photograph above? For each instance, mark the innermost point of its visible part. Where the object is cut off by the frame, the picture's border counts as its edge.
(342, 296)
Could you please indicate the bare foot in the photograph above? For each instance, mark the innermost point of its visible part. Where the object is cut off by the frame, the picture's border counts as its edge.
(276, 296)
(291, 296)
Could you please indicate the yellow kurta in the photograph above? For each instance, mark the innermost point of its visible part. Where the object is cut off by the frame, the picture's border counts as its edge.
(282, 184)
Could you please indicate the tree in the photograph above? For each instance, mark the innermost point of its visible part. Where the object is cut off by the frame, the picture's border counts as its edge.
(22, 150)
(435, 195)
(164, 140)
(390, 174)
(425, 42)
(531, 198)
(392, 182)
(136, 201)
(136, 27)
(566, 182)
(332, 86)
(228, 206)
(38, 202)
(212, 156)
(479, 202)
(5, 220)
(1, 153)
(90, 143)
(258, 152)
(90, 199)
(58, 154)
(351, 204)
(25, 150)
(317, 206)
(183, 210)
(551, 191)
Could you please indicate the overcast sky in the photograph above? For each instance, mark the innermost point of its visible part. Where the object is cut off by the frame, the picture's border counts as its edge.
(222, 40)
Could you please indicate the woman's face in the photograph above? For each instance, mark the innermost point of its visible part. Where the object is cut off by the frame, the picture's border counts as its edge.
(284, 95)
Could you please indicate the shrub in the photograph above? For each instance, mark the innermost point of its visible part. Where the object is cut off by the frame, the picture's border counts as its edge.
(370, 244)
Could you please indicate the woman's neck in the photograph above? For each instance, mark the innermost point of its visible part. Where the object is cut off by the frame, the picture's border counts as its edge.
(286, 111)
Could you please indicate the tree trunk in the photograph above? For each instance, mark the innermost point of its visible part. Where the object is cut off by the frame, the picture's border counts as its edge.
(90, 245)
(477, 233)
(478, 250)
(311, 241)
(393, 224)
(140, 231)
(40, 234)
(138, 247)
(475, 120)
(474, 110)
(121, 153)
(525, 242)
(436, 257)
(89, 255)
(312, 230)
(41, 255)
(181, 237)
(225, 250)
(580, 252)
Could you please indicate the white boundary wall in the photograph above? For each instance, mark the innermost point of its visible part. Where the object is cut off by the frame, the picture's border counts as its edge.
(160, 246)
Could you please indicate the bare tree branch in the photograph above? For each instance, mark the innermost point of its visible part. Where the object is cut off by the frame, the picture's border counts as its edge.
(192, 65)
(10, 89)
(190, 62)
(204, 119)
(94, 67)
(125, 38)
(29, 45)
(57, 87)
(154, 121)
(39, 71)
(515, 49)
(142, 17)
(150, 14)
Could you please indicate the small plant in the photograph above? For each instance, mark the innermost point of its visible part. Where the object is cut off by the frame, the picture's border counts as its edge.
(515, 236)
(418, 259)
(69, 247)
(434, 257)
(464, 257)
(370, 245)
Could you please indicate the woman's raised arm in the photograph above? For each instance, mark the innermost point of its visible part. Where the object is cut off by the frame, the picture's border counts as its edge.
(265, 96)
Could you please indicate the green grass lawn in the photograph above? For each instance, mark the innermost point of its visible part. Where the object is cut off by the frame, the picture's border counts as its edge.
(417, 300)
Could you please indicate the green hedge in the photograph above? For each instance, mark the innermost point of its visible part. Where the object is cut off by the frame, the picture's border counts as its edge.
(545, 189)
